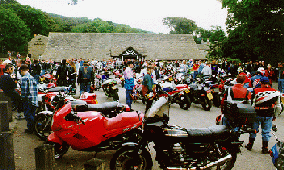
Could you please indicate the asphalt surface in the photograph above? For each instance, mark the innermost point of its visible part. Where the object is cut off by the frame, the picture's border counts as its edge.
(195, 117)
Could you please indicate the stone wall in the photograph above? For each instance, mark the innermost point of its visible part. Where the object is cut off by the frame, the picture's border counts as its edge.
(103, 45)
(37, 46)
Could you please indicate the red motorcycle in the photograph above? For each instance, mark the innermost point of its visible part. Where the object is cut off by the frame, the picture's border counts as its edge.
(50, 102)
(90, 130)
(180, 95)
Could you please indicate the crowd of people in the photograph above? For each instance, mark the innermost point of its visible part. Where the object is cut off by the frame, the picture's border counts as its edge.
(257, 75)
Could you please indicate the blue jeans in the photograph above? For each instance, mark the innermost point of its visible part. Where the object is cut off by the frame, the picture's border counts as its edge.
(227, 124)
(128, 98)
(195, 73)
(266, 126)
(85, 87)
(29, 112)
(281, 85)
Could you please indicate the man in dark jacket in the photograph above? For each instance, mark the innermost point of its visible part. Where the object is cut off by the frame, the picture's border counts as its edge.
(36, 70)
(8, 85)
(85, 78)
(62, 74)
(266, 101)
(148, 84)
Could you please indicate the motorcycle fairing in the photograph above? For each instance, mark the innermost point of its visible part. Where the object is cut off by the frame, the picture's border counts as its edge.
(54, 138)
(96, 129)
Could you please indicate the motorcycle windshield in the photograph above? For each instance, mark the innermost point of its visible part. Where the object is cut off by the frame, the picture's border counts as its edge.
(159, 108)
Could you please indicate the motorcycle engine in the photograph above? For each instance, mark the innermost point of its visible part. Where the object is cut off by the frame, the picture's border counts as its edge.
(185, 155)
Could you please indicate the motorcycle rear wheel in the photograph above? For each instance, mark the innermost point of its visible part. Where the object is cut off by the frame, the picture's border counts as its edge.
(129, 158)
(43, 126)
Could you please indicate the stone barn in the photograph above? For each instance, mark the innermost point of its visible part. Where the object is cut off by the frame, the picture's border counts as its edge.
(107, 45)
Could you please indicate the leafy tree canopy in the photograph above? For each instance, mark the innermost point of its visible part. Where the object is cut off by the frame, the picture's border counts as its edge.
(33, 18)
(14, 34)
(180, 25)
(256, 30)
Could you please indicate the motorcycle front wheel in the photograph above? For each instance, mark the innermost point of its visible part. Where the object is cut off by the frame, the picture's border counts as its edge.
(129, 158)
(43, 126)
(186, 103)
(207, 104)
(60, 150)
(115, 96)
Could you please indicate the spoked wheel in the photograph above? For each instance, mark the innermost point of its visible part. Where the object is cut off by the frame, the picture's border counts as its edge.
(207, 104)
(129, 158)
(43, 126)
(60, 150)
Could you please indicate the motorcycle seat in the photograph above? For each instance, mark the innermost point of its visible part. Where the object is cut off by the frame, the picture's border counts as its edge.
(121, 120)
(104, 107)
(212, 132)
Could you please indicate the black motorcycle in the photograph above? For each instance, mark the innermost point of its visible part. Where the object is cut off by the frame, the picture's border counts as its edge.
(201, 93)
(110, 88)
(179, 148)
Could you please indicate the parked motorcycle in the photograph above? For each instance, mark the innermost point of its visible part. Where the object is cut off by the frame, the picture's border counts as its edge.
(277, 152)
(179, 148)
(110, 89)
(179, 93)
(50, 103)
(200, 93)
(91, 131)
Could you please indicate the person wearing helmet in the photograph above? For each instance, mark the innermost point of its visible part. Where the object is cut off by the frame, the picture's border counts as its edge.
(266, 101)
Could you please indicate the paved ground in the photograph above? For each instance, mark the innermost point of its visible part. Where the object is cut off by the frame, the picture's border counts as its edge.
(24, 144)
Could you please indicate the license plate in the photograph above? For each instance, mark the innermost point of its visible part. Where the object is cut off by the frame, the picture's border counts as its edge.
(210, 96)
(186, 91)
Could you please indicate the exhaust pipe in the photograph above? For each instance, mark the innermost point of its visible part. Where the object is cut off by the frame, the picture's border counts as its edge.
(220, 162)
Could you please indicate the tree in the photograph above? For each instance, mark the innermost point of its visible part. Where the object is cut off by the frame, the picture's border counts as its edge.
(180, 25)
(14, 33)
(8, 2)
(256, 30)
(35, 19)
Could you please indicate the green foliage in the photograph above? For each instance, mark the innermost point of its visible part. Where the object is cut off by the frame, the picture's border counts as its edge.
(19, 23)
(33, 18)
(180, 25)
(100, 26)
(14, 33)
(256, 30)
(8, 2)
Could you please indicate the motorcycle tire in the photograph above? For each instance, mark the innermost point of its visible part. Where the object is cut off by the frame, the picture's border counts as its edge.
(207, 104)
(60, 150)
(128, 158)
(216, 100)
(115, 96)
(43, 126)
(186, 103)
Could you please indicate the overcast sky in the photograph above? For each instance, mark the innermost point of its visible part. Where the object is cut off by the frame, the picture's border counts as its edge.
(146, 14)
